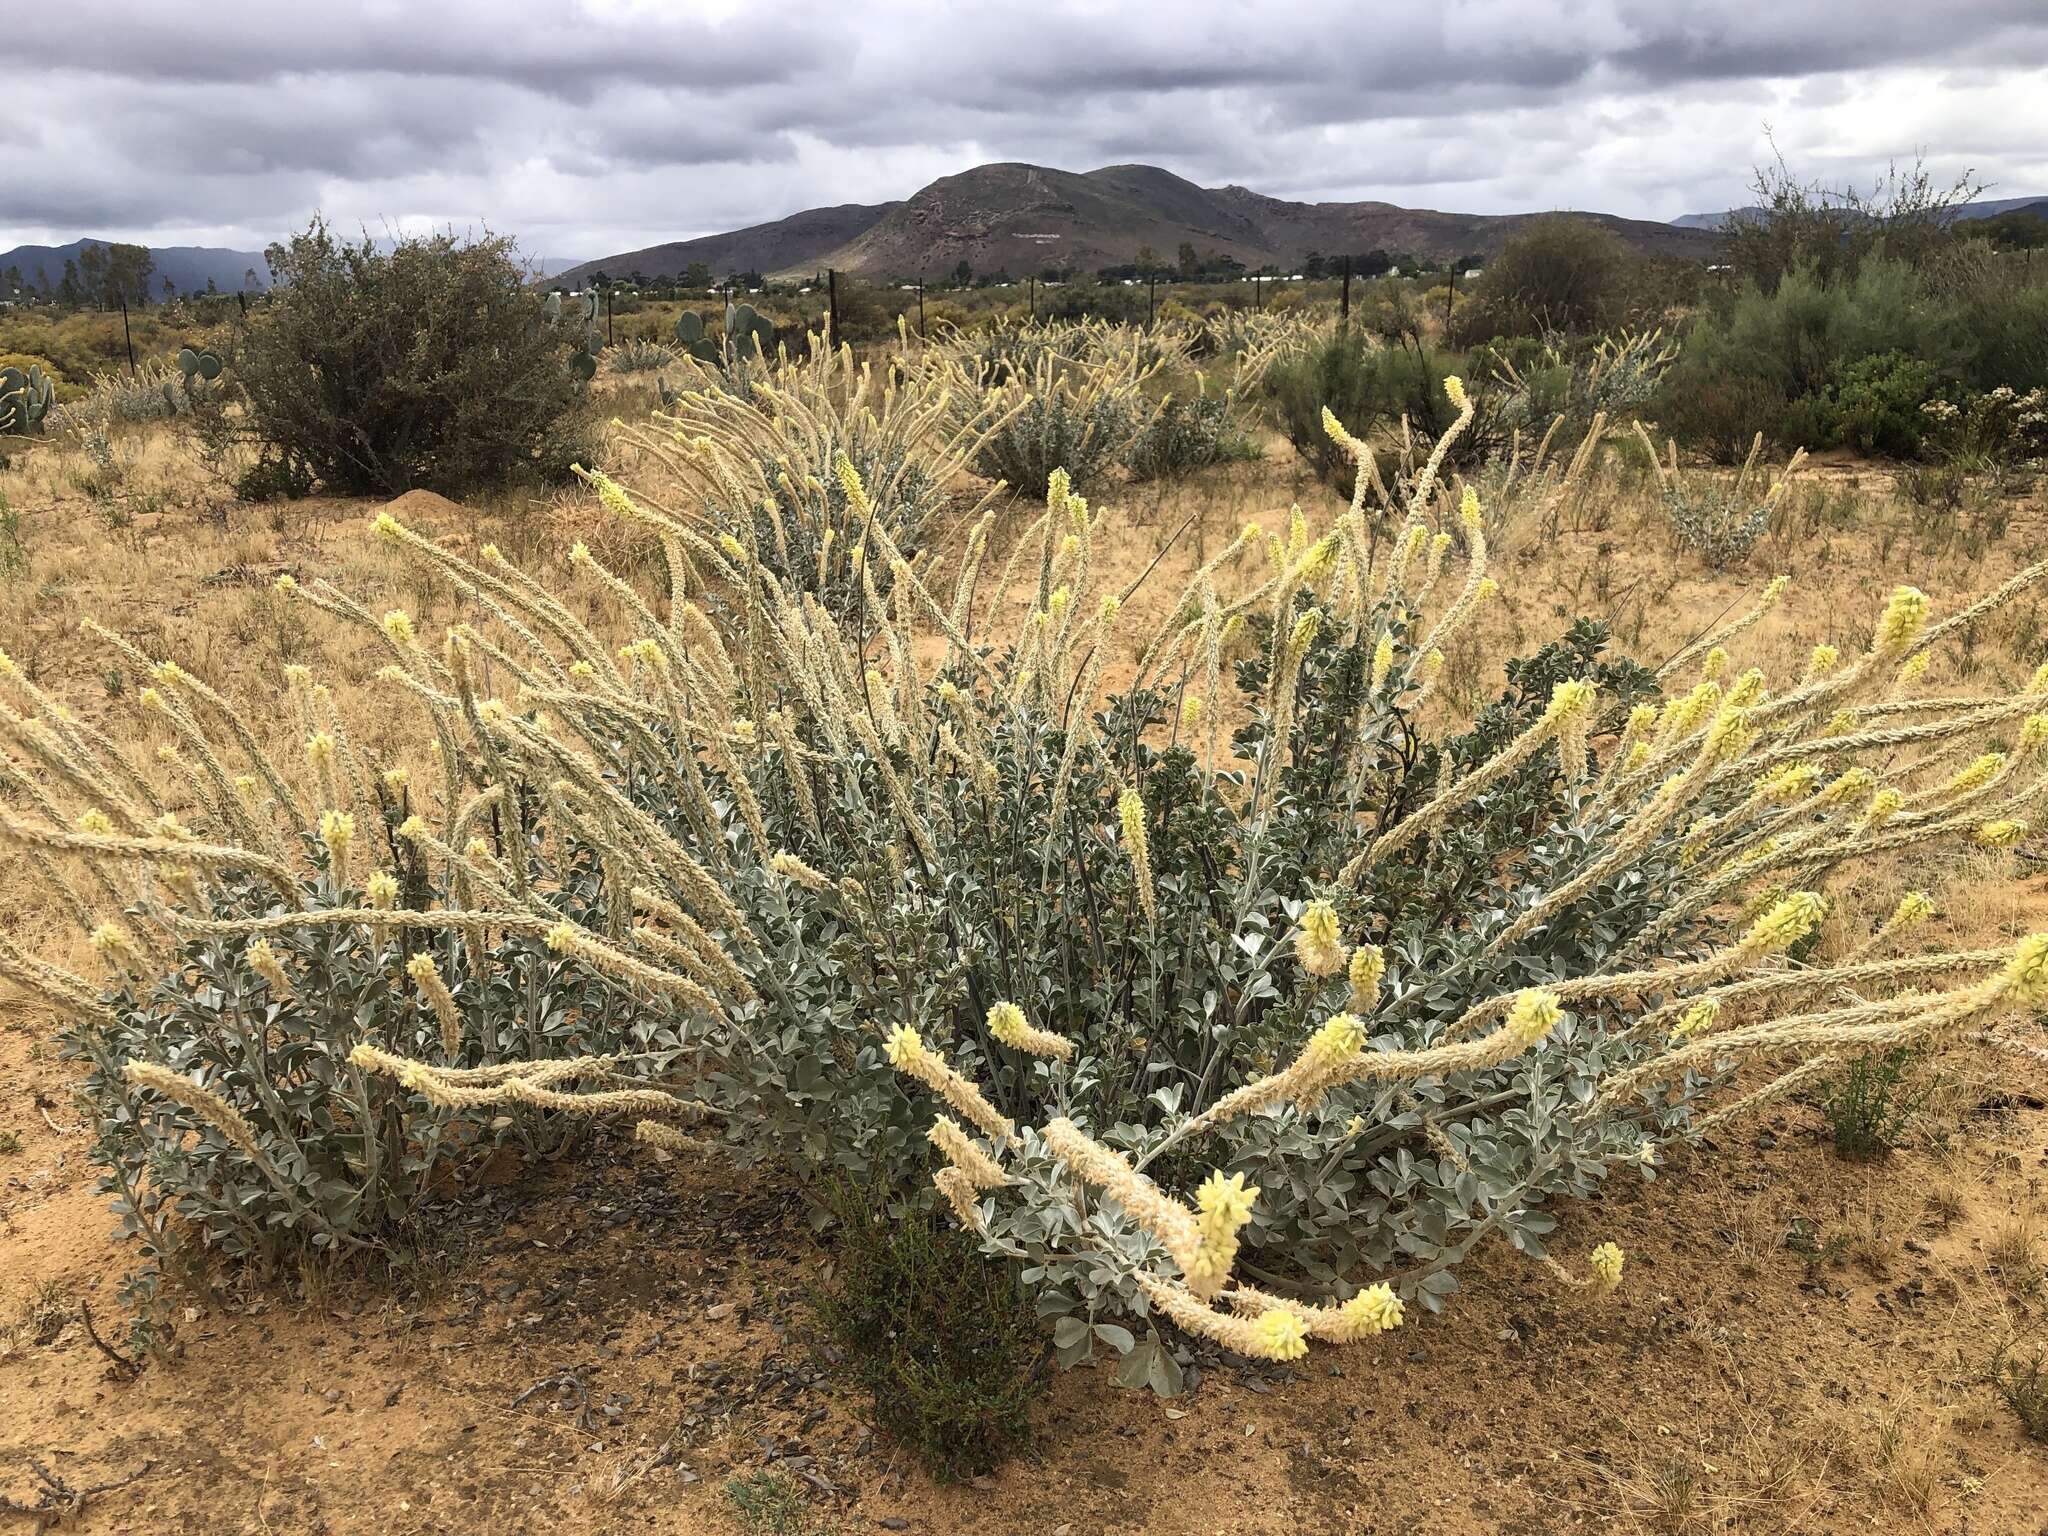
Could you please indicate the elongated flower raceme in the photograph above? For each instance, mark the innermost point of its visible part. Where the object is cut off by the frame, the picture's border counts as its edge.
(908, 1054)
(1131, 812)
(1607, 1261)
(1368, 965)
(1006, 1023)
(1905, 615)
(1317, 944)
(427, 977)
(964, 1153)
(1276, 1334)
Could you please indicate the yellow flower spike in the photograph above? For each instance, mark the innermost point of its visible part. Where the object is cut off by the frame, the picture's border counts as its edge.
(1374, 1310)
(385, 526)
(1382, 661)
(1884, 805)
(1714, 665)
(112, 942)
(398, 625)
(1535, 1014)
(1748, 690)
(493, 711)
(1468, 511)
(1700, 1016)
(1223, 1204)
(1790, 784)
(264, 962)
(1251, 532)
(2025, 976)
(1825, 659)
(1304, 632)
(8, 670)
(1367, 969)
(1335, 1044)
(1979, 773)
(563, 938)
(338, 831)
(1607, 1261)
(2001, 834)
(1190, 712)
(2039, 682)
(320, 750)
(94, 823)
(733, 548)
(1232, 628)
(1772, 592)
(1280, 1335)
(1335, 430)
(1319, 946)
(396, 779)
(1905, 615)
(1785, 924)
(904, 1046)
(381, 890)
(149, 698)
(1130, 810)
(171, 829)
(1109, 607)
(1007, 1024)
(1058, 485)
(2033, 734)
(1839, 791)
(1638, 755)
(1454, 391)
(1914, 908)
(412, 830)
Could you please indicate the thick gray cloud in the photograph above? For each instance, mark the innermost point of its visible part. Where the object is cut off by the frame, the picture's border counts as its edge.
(591, 127)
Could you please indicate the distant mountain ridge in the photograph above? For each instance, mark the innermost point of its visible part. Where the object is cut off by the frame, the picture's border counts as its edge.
(189, 267)
(1983, 208)
(1022, 218)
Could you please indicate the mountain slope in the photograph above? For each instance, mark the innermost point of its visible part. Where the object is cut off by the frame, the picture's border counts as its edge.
(1983, 208)
(797, 242)
(1017, 218)
(187, 266)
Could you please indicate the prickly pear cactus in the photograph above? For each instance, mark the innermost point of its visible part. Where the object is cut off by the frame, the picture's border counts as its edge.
(25, 399)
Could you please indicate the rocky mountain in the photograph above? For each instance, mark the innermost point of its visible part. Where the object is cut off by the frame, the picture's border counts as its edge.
(1021, 219)
(801, 241)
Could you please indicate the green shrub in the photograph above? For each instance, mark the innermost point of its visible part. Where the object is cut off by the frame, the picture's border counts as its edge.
(1371, 388)
(1870, 1104)
(274, 477)
(947, 1348)
(1186, 435)
(430, 364)
(2023, 1382)
(1341, 995)
(1558, 275)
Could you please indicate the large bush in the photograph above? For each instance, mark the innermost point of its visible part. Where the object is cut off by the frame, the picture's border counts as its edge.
(1247, 1000)
(1560, 275)
(431, 364)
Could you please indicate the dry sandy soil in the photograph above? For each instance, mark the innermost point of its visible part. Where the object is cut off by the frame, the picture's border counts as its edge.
(1801, 1343)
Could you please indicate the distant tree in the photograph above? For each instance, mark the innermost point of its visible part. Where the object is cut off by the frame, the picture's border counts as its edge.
(1559, 274)
(1148, 259)
(92, 275)
(249, 277)
(210, 288)
(1312, 265)
(72, 290)
(697, 275)
(1373, 263)
(428, 364)
(1189, 262)
(1804, 225)
(963, 272)
(170, 290)
(2020, 230)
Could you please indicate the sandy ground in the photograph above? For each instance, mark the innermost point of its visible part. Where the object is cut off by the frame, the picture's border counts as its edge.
(1801, 1343)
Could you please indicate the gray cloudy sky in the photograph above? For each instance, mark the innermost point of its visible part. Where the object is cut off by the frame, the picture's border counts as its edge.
(586, 127)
